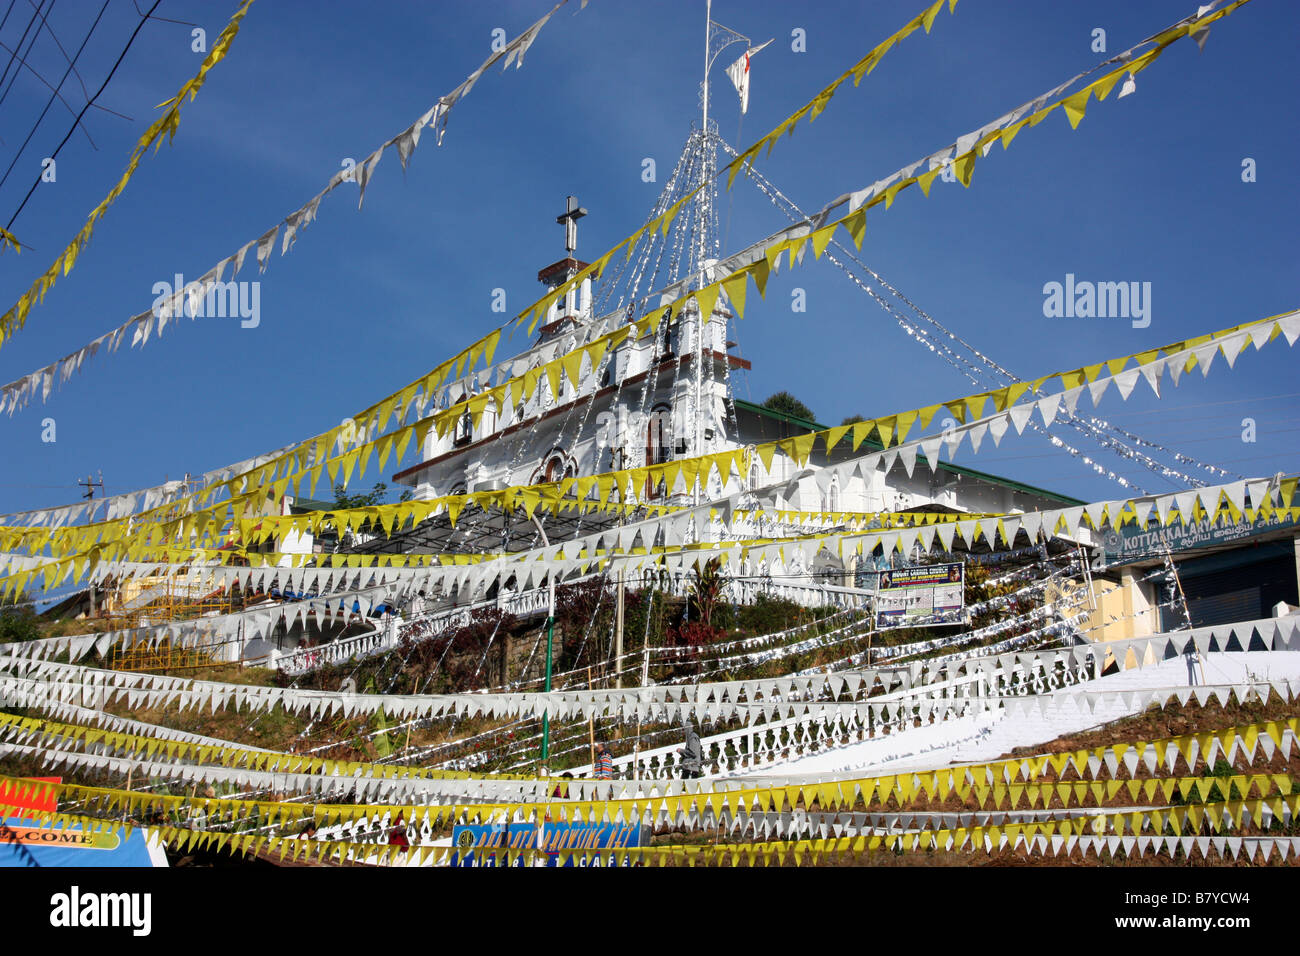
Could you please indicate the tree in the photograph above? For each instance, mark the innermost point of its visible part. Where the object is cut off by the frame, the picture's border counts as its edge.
(375, 496)
(706, 589)
(18, 624)
(787, 404)
(367, 499)
(853, 419)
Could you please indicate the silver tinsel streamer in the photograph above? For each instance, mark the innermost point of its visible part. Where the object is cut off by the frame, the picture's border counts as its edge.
(1091, 426)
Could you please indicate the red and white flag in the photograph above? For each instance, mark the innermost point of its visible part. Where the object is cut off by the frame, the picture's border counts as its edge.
(739, 73)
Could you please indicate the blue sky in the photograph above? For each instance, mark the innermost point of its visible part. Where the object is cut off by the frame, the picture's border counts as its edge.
(1148, 189)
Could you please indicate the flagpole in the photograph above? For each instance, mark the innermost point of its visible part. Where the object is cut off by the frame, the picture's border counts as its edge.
(708, 18)
(701, 226)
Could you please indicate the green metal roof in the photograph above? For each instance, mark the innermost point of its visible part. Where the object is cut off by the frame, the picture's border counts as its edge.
(953, 469)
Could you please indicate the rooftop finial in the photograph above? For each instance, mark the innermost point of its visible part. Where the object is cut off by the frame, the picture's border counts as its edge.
(572, 213)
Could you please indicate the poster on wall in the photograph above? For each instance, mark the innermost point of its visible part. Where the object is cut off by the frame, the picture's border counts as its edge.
(921, 597)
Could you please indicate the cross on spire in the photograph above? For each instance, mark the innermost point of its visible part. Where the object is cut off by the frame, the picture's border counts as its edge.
(572, 213)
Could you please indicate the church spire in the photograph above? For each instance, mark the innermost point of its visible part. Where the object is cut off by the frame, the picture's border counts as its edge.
(576, 303)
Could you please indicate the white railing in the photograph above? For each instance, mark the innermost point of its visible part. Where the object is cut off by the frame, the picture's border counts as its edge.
(808, 595)
(536, 601)
(768, 744)
(764, 745)
(377, 641)
(305, 659)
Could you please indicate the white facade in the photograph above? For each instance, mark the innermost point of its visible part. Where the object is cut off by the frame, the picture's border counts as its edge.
(637, 408)
(651, 400)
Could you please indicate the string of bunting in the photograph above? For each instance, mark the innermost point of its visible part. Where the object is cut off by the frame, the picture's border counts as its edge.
(1194, 818)
(1151, 365)
(1043, 781)
(20, 392)
(786, 698)
(1267, 498)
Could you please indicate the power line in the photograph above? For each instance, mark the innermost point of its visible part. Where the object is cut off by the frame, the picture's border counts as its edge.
(5, 74)
(149, 16)
(50, 102)
(122, 56)
(54, 36)
(7, 12)
(18, 50)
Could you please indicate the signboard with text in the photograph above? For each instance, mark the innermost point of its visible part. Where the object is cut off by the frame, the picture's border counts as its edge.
(483, 844)
(33, 843)
(1134, 543)
(921, 597)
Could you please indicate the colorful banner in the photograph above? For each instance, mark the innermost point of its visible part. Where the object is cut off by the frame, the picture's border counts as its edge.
(28, 843)
(483, 844)
(921, 596)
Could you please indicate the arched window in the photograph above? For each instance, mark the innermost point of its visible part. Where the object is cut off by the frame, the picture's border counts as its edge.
(665, 336)
(569, 345)
(659, 435)
(658, 446)
(556, 466)
(464, 430)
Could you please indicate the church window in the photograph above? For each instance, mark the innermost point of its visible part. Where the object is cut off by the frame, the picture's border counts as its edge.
(464, 430)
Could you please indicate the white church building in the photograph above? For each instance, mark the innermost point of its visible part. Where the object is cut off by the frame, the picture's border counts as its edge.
(653, 399)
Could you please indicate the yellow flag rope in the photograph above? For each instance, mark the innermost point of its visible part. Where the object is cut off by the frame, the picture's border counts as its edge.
(220, 812)
(1258, 332)
(1193, 819)
(63, 542)
(191, 561)
(1042, 780)
(26, 729)
(970, 528)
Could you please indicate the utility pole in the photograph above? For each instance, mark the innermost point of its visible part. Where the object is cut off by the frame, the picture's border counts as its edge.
(1182, 598)
(618, 634)
(90, 487)
(704, 216)
(618, 644)
(550, 643)
(645, 679)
